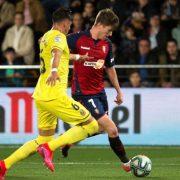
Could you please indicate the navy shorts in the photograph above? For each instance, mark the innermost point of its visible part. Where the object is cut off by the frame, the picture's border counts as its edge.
(97, 103)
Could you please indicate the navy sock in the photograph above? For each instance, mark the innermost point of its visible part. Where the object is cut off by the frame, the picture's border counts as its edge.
(118, 148)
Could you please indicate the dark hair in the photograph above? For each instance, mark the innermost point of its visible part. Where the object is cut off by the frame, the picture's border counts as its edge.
(89, 1)
(108, 18)
(19, 13)
(144, 39)
(61, 14)
(172, 41)
(133, 71)
(9, 49)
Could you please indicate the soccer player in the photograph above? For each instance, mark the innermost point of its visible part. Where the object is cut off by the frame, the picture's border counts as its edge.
(51, 99)
(88, 77)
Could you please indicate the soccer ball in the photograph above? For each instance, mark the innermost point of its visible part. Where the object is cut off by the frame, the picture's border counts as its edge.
(141, 166)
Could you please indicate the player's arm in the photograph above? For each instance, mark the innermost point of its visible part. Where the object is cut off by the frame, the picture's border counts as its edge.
(111, 72)
(72, 43)
(114, 81)
(57, 43)
(78, 57)
(53, 77)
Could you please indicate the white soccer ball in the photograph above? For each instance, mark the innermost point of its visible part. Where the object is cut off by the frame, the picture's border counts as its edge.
(141, 165)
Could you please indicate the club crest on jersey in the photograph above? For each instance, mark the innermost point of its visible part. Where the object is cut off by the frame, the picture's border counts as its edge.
(104, 49)
(57, 39)
(82, 112)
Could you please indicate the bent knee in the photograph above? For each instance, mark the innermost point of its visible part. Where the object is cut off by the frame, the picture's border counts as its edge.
(91, 127)
(112, 132)
(49, 132)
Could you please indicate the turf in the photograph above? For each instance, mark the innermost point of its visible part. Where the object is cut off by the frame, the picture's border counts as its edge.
(95, 163)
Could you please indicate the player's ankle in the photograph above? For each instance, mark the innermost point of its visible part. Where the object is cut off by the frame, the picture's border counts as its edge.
(127, 163)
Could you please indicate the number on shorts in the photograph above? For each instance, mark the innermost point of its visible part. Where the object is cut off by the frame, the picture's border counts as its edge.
(92, 102)
(75, 106)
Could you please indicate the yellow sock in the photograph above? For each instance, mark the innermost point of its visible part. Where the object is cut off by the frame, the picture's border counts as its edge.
(75, 134)
(25, 150)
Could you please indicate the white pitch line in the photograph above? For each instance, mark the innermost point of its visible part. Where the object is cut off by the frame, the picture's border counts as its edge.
(74, 163)
(104, 147)
(96, 163)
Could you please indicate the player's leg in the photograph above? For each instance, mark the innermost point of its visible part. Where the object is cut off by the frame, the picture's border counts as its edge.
(46, 124)
(75, 134)
(109, 126)
(23, 152)
(113, 135)
(74, 113)
(90, 102)
(27, 149)
(98, 106)
(114, 140)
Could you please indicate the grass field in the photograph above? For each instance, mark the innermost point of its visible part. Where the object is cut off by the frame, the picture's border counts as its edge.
(96, 163)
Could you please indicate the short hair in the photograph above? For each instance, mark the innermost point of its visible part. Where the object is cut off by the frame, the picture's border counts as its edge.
(144, 39)
(9, 49)
(172, 41)
(89, 1)
(61, 14)
(108, 18)
(133, 71)
(19, 13)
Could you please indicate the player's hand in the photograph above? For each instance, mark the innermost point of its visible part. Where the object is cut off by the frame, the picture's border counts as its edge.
(85, 57)
(119, 98)
(99, 64)
(53, 77)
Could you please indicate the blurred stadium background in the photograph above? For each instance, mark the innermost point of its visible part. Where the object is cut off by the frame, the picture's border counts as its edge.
(146, 47)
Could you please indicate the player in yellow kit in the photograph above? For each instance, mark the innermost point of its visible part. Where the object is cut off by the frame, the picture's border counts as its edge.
(51, 98)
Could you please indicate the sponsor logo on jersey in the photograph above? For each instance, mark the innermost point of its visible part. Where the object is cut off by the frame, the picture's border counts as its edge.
(86, 48)
(96, 65)
(57, 39)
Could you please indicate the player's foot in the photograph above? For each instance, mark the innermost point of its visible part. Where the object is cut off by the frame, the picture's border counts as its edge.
(2, 170)
(65, 150)
(47, 155)
(126, 166)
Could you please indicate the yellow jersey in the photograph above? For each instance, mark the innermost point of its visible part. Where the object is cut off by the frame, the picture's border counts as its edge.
(52, 39)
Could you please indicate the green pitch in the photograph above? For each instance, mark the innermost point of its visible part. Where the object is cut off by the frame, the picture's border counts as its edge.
(95, 163)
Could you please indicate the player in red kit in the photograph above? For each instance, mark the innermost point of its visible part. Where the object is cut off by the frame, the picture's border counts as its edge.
(88, 77)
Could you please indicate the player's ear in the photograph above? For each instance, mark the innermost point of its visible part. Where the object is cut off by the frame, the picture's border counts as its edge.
(64, 25)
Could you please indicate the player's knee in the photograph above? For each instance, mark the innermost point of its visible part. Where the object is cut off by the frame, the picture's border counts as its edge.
(92, 127)
(112, 132)
(43, 139)
(101, 129)
(44, 132)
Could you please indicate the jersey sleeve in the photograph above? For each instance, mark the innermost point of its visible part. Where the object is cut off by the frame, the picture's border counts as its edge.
(58, 42)
(109, 61)
(72, 40)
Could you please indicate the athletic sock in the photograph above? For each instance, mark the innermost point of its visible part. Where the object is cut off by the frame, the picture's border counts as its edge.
(75, 134)
(118, 148)
(27, 149)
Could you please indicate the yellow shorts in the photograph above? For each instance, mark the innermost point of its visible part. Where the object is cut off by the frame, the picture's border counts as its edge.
(65, 108)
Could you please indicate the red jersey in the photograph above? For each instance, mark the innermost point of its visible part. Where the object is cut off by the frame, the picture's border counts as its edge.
(88, 77)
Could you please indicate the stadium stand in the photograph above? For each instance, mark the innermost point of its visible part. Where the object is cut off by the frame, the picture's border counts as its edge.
(148, 34)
